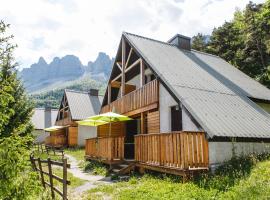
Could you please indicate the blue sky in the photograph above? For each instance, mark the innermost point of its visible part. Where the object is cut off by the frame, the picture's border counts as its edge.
(52, 28)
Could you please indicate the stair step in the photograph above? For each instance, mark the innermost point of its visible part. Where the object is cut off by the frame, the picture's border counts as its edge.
(116, 170)
(123, 165)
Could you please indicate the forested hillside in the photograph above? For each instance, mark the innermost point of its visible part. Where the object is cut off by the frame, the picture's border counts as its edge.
(52, 98)
(244, 41)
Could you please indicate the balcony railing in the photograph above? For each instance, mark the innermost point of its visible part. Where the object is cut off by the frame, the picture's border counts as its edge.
(182, 150)
(56, 140)
(142, 97)
(107, 148)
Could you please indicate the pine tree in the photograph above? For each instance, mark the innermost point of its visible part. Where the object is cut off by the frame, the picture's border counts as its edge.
(15, 107)
(199, 42)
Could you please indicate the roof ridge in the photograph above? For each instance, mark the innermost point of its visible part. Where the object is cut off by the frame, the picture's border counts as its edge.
(147, 38)
(167, 43)
(76, 91)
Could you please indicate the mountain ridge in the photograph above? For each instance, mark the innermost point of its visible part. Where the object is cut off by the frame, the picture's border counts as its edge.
(68, 68)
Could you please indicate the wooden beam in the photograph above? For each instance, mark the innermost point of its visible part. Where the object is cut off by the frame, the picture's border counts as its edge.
(115, 84)
(109, 93)
(142, 124)
(123, 69)
(142, 81)
(133, 65)
(118, 64)
(143, 109)
(129, 55)
(117, 77)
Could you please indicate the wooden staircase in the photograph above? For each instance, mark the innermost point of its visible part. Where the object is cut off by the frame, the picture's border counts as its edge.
(123, 168)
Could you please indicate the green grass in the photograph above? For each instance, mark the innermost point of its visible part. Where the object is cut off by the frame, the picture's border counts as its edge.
(239, 178)
(77, 153)
(95, 168)
(45, 156)
(74, 181)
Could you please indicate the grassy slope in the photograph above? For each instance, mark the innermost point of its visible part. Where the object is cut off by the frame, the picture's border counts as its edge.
(238, 179)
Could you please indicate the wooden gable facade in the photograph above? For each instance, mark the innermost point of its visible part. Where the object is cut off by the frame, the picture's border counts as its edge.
(134, 90)
(68, 135)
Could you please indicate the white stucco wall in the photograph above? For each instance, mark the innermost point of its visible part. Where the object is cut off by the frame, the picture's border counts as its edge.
(85, 132)
(222, 151)
(166, 101)
(40, 136)
(135, 81)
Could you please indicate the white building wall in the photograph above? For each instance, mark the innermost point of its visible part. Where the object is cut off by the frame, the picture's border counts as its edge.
(85, 132)
(166, 101)
(135, 81)
(220, 152)
(40, 136)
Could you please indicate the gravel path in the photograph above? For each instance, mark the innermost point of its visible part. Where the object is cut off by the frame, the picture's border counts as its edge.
(92, 181)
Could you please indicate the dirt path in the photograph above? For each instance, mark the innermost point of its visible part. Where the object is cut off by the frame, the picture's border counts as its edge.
(92, 181)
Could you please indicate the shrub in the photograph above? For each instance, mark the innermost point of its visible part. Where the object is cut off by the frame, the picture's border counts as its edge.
(17, 181)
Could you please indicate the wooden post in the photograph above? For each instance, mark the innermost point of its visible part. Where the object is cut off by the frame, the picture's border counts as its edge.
(142, 73)
(64, 179)
(109, 92)
(142, 124)
(41, 173)
(33, 163)
(51, 177)
(123, 67)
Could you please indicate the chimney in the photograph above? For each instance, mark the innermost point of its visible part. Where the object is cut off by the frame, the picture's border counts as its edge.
(181, 41)
(48, 117)
(93, 92)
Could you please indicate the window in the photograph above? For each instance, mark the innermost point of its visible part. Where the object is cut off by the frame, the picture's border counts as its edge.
(176, 118)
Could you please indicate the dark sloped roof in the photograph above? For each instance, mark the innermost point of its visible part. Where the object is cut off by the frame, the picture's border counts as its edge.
(82, 104)
(213, 91)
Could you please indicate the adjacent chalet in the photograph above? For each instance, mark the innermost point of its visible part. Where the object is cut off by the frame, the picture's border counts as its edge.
(42, 118)
(187, 108)
(75, 106)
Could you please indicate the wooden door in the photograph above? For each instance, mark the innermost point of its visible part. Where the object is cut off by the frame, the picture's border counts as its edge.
(176, 118)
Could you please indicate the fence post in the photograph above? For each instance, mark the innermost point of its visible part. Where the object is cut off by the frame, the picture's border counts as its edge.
(64, 179)
(41, 172)
(33, 163)
(51, 177)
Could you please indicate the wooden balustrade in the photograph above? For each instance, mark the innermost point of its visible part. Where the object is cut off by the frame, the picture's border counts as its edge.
(142, 97)
(56, 140)
(182, 150)
(106, 148)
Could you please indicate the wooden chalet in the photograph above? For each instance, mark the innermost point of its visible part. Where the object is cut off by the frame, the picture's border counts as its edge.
(75, 106)
(186, 107)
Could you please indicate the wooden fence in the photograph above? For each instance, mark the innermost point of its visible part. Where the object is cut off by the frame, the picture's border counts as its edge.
(39, 165)
(50, 150)
(182, 150)
(106, 148)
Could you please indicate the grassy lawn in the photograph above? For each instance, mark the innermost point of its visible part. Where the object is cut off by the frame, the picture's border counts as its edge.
(240, 178)
(77, 153)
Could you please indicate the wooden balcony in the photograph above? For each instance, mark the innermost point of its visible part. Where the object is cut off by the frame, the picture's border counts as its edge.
(107, 148)
(142, 99)
(56, 140)
(64, 122)
(170, 151)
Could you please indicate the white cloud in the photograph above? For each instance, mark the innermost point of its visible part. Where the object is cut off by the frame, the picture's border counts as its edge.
(52, 28)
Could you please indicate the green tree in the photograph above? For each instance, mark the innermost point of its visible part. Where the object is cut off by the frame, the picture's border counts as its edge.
(199, 42)
(244, 42)
(15, 108)
(17, 181)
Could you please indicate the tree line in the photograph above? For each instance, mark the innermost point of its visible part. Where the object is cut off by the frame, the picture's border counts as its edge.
(244, 41)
